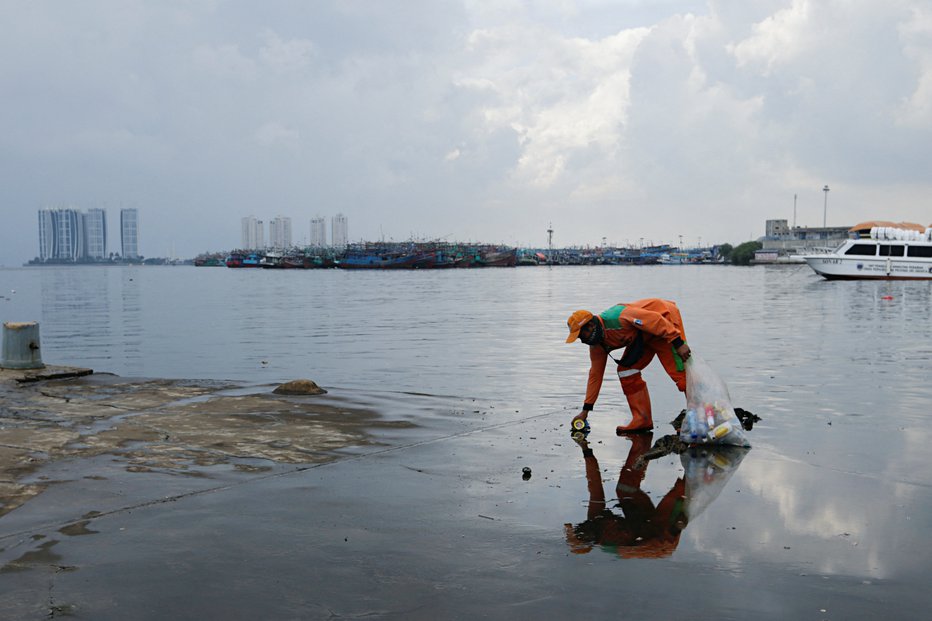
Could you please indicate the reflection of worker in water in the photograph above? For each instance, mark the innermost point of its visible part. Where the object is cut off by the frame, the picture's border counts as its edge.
(644, 530)
(645, 328)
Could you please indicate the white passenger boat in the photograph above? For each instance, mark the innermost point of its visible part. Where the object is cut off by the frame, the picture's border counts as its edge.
(899, 252)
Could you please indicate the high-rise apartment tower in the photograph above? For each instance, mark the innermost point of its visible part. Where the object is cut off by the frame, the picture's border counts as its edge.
(95, 234)
(318, 232)
(339, 231)
(280, 233)
(253, 234)
(61, 234)
(129, 233)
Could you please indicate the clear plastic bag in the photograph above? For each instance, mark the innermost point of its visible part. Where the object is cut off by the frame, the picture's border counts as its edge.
(710, 417)
(707, 470)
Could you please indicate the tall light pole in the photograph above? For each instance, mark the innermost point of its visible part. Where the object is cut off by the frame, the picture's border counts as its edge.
(825, 206)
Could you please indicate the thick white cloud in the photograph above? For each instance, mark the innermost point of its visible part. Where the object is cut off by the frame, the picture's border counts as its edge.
(785, 35)
(471, 119)
(571, 99)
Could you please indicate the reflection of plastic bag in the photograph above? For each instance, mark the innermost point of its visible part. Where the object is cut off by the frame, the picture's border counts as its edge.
(710, 417)
(707, 470)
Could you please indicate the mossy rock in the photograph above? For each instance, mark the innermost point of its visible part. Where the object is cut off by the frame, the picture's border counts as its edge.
(299, 387)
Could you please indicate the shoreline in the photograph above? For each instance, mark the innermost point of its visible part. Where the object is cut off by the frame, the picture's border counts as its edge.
(176, 426)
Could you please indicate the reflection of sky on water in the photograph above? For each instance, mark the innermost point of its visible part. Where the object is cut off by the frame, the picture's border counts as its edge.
(840, 470)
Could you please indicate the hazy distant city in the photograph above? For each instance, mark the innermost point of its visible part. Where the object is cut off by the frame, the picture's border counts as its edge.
(69, 235)
(72, 236)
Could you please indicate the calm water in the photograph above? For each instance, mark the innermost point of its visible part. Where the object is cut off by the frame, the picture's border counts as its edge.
(784, 340)
(838, 485)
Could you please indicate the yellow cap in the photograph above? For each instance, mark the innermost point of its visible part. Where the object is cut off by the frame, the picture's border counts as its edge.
(576, 321)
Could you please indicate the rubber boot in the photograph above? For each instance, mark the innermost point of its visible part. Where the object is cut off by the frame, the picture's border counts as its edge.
(634, 470)
(641, 419)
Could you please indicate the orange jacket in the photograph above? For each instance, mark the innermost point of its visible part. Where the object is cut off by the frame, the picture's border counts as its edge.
(658, 320)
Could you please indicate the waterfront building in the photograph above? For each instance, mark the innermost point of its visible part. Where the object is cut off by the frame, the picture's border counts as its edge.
(129, 233)
(95, 234)
(781, 242)
(61, 234)
(339, 231)
(280, 233)
(253, 234)
(776, 228)
(318, 232)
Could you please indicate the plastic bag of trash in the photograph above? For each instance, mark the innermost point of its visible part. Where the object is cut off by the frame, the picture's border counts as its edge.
(710, 417)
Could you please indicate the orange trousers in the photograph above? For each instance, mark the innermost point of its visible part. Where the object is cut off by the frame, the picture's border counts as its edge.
(634, 386)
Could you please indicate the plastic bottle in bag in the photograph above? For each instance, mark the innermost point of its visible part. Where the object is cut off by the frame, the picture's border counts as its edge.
(688, 428)
(702, 428)
(693, 429)
(720, 431)
(695, 434)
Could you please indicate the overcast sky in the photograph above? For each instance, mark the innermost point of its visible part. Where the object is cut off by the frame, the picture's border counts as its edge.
(464, 119)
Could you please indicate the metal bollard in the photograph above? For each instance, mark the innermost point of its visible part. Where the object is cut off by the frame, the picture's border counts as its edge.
(21, 349)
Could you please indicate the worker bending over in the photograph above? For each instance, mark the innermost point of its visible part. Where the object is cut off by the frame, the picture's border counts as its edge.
(646, 328)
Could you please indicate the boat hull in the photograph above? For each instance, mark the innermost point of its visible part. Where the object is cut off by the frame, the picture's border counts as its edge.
(834, 267)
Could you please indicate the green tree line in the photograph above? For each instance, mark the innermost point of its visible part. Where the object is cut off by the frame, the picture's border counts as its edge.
(740, 254)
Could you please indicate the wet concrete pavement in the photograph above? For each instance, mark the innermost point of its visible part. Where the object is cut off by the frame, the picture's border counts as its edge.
(190, 500)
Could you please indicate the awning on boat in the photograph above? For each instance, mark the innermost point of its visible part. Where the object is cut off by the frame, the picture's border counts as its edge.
(867, 226)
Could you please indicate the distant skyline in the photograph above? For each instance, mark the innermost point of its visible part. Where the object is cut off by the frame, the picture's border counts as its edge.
(465, 120)
(70, 234)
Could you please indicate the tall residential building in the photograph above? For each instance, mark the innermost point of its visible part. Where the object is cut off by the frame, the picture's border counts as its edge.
(253, 234)
(338, 234)
(280, 233)
(95, 234)
(318, 232)
(61, 234)
(46, 234)
(129, 233)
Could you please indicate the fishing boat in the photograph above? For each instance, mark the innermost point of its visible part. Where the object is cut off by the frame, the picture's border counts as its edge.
(378, 256)
(496, 256)
(317, 261)
(528, 258)
(271, 260)
(673, 258)
(251, 260)
(209, 260)
(902, 251)
(425, 260)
